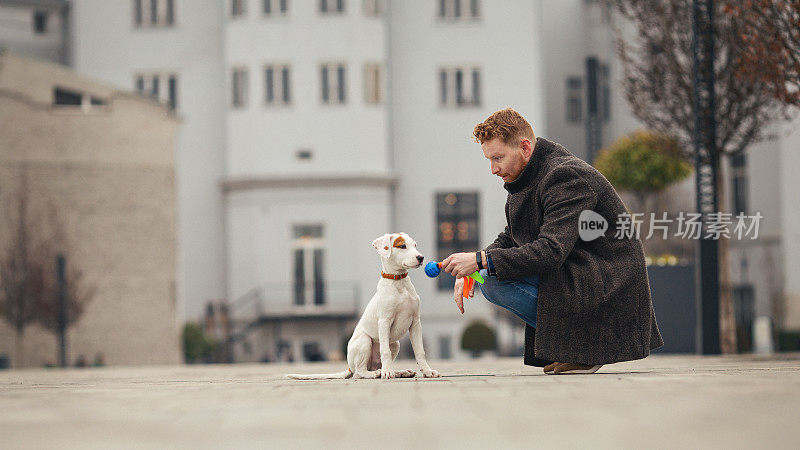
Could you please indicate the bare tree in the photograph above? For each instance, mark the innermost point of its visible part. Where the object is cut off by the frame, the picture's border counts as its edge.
(22, 274)
(770, 51)
(28, 279)
(657, 82)
(78, 291)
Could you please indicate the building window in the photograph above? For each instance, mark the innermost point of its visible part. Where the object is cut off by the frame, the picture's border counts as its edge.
(277, 85)
(172, 92)
(373, 84)
(599, 12)
(304, 154)
(138, 14)
(65, 97)
(150, 85)
(239, 88)
(309, 273)
(40, 22)
(331, 6)
(457, 228)
(68, 98)
(574, 100)
(333, 83)
(238, 8)
(460, 87)
(458, 10)
(153, 13)
(373, 8)
(275, 7)
(605, 92)
(739, 183)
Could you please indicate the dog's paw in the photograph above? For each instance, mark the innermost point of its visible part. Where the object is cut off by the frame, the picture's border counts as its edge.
(387, 373)
(407, 373)
(431, 374)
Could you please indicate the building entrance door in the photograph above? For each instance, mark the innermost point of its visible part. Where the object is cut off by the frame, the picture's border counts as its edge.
(309, 274)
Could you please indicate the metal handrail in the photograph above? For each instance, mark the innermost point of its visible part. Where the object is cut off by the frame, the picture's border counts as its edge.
(277, 300)
(274, 297)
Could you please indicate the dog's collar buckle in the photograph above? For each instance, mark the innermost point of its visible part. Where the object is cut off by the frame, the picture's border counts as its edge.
(394, 277)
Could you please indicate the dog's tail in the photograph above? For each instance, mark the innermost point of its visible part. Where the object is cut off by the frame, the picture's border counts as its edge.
(321, 376)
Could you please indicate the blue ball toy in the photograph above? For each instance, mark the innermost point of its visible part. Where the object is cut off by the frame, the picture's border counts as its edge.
(432, 269)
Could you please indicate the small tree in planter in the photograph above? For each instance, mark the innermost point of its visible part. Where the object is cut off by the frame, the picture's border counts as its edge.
(477, 338)
(643, 163)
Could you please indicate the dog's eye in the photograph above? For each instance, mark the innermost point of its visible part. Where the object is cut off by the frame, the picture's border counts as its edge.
(403, 246)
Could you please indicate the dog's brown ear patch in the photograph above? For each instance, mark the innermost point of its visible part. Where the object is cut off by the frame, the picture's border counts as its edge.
(399, 242)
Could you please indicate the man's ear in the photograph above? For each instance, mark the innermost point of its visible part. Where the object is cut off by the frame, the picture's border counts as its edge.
(383, 245)
(527, 148)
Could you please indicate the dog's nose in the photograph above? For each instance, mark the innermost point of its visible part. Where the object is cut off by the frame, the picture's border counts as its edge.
(420, 258)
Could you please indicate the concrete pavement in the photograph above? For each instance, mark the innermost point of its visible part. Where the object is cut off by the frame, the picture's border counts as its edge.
(658, 402)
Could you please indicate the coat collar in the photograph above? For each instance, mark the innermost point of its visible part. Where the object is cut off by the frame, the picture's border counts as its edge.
(531, 170)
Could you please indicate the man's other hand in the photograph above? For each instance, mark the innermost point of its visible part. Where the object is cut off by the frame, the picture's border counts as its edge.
(458, 293)
(460, 265)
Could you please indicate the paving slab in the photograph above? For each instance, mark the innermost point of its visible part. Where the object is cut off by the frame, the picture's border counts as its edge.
(658, 402)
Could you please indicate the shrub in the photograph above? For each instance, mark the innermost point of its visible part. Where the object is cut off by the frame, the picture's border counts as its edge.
(196, 345)
(478, 337)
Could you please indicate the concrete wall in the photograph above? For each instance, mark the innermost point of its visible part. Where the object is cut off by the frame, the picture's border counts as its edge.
(109, 174)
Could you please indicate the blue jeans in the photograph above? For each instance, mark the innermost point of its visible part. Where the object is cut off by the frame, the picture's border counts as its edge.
(518, 296)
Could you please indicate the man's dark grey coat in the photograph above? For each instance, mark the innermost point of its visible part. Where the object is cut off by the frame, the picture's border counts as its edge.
(594, 302)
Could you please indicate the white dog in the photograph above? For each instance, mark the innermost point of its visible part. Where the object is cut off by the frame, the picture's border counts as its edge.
(393, 310)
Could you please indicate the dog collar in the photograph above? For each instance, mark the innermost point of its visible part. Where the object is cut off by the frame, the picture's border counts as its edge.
(394, 277)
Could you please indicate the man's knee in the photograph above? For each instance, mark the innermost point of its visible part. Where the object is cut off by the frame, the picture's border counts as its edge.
(485, 290)
(489, 287)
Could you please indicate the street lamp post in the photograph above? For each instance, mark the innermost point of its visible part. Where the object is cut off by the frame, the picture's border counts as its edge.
(706, 169)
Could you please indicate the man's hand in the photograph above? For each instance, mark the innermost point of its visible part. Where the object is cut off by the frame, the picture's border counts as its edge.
(460, 265)
(458, 291)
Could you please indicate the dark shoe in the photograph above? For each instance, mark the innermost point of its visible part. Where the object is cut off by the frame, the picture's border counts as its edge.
(572, 369)
(529, 358)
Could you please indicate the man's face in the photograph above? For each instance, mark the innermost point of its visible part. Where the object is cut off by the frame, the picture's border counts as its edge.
(507, 160)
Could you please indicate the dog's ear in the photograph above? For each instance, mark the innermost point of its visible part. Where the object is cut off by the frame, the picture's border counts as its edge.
(384, 245)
